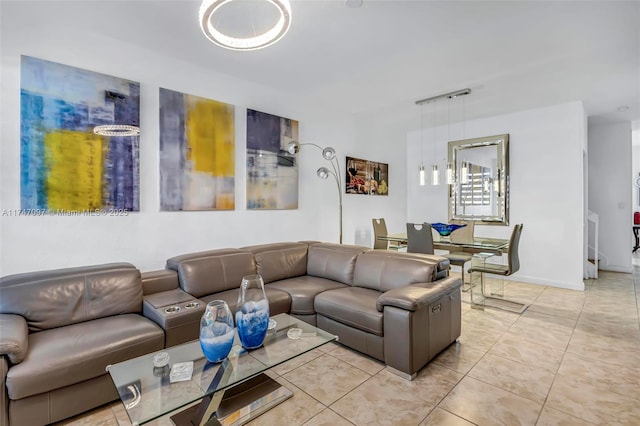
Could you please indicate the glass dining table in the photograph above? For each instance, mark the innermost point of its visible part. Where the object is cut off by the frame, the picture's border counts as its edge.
(496, 246)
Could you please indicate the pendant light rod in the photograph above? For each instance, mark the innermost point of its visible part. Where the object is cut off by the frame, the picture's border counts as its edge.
(449, 95)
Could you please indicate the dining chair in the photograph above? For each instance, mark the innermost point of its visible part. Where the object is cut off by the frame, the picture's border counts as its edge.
(419, 238)
(513, 260)
(380, 230)
(461, 236)
(511, 267)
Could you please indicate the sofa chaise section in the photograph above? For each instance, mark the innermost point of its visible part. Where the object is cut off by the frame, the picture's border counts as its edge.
(394, 311)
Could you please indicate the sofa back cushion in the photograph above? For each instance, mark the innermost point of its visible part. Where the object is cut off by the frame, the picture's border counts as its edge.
(442, 264)
(204, 273)
(279, 261)
(333, 261)
(384, 273)
(55, 298)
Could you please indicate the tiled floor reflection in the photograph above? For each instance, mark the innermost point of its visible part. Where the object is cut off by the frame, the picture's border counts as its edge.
(573, 358)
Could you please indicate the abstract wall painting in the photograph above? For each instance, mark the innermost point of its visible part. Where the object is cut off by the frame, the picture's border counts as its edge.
(272, 173)
(64, 166)
(366, 177)
(197, 152)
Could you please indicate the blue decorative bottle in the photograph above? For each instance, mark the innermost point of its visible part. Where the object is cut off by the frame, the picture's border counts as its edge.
(252, 315)
(216, 331)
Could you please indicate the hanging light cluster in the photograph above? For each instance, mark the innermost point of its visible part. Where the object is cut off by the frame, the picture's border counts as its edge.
(435, 171)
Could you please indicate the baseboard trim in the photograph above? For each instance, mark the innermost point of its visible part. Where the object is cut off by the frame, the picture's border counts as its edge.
(614, 268)
(550, 283)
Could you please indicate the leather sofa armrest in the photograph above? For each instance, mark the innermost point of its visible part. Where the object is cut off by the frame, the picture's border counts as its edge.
(159, 281)
(413, 297)
(14, 337)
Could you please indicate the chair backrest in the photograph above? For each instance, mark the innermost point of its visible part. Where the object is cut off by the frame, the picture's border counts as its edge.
(379, 230)
(463, 235)
(512, 255)
(419, 238)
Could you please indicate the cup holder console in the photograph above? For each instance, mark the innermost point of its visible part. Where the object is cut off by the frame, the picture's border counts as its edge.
(172, 309)
(189, 306)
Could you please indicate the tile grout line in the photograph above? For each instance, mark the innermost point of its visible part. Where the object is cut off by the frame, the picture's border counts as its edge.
(556, 374)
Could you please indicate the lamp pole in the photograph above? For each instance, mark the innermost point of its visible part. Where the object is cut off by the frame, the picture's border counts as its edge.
(329, 154)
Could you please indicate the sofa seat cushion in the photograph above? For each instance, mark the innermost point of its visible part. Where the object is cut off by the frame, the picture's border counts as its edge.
(352, 306)
(279, 301)
(64, 356)
(303, 290)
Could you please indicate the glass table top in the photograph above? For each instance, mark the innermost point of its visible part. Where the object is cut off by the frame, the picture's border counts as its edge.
(147, 393)
(478, 242)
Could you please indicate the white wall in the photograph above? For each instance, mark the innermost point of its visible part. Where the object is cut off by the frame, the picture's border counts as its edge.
(149, 237)
(545, 160)
(635, 163)
(378, 140)
(609, 189)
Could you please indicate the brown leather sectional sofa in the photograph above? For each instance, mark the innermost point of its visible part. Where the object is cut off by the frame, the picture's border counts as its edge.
(60, 329)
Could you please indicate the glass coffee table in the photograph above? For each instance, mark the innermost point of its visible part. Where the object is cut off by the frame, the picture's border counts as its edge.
(232, 392)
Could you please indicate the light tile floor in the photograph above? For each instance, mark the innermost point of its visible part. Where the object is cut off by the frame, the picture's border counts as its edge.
(573, 358)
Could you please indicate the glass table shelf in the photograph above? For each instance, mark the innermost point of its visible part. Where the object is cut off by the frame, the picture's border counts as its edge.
(147, 393)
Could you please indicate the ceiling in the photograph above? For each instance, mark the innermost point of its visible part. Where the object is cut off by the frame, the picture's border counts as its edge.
(380, 58)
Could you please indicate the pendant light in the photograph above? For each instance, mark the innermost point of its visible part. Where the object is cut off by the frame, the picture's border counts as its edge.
(421, 172)
(450, 170)
(464, 172)
(450, 174)
(435, 173)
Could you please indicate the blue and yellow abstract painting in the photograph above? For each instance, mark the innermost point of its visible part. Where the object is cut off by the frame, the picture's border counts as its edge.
(64, 166)
(197, 153)
(272, 173)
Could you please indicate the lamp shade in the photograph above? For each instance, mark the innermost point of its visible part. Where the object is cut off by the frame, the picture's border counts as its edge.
(293, 147)
(450, 174)
(435, 175)
(329, 153)
(464, 173)
(323, 173)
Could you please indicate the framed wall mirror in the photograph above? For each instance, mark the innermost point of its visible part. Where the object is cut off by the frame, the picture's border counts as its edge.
(480, 185)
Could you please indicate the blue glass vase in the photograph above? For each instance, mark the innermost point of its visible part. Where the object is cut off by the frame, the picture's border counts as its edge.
(446, 229)
(216, 331)
(252, 314)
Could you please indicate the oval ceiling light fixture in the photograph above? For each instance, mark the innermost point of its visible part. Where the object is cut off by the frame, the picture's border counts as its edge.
(208, 10)
(116, 130)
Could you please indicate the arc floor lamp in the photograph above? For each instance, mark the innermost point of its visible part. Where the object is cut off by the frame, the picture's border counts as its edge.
(329, 154)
